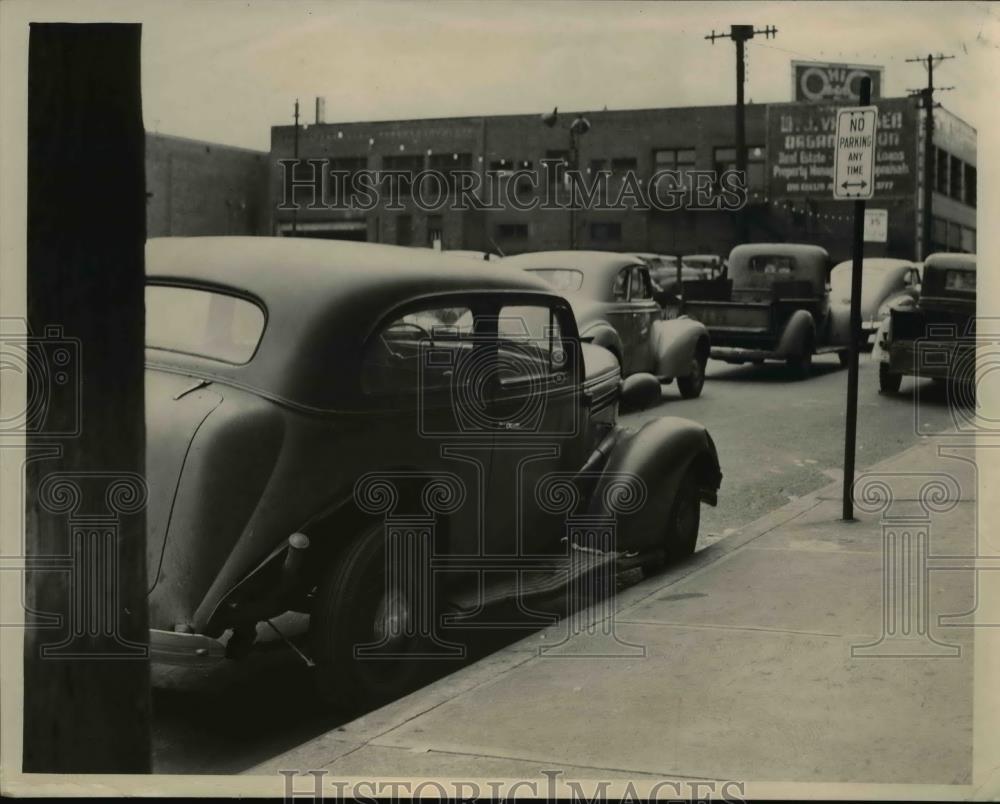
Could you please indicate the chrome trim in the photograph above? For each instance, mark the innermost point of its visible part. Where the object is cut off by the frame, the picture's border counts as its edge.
(176, 648)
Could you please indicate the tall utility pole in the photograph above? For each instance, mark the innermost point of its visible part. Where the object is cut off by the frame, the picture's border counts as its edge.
(295, 169)
(740, 34)
(926, 96)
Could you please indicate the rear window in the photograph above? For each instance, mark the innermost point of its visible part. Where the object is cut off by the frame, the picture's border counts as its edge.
(565, 280)
(960, 280)
(781, 266)
(201, 322)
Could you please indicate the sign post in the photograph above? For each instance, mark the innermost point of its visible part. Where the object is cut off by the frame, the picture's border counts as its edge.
(854, 179)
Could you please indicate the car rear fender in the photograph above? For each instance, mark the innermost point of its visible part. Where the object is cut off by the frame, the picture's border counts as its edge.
(800, 328)
(639, 481)
(676, 341)
(603, 334)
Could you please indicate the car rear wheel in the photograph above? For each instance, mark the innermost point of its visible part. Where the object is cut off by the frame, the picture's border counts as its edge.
(362, 628)
(888, 381)
(690, 386)
(685, 519)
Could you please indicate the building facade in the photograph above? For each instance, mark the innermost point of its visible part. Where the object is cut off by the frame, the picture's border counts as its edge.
(204, 188)
(789, 176)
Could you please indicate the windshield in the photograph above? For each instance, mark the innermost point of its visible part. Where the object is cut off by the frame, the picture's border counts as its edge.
(566, 280)
(203, 323)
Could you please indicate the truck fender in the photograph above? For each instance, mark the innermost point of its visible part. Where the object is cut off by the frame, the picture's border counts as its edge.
(676, 342)
(640, 479)
(799, 328)
(603, 334)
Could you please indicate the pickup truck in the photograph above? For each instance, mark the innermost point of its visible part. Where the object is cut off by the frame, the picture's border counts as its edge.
(774, 304)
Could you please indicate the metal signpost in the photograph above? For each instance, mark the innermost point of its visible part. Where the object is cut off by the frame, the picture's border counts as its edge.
(854, 179)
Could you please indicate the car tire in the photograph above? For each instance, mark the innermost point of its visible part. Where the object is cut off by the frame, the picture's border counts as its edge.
(691, 385)
(844, 358)
(801, 364)
(353, 608)
(888, 381)
(685, 519)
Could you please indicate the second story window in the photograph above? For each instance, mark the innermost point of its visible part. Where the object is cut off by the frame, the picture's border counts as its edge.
(449, 164)
(681, 160)
(411, 165)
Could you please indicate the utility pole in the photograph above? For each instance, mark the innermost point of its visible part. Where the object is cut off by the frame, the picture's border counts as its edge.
(926, 96)
(295, 169)
(740, 34)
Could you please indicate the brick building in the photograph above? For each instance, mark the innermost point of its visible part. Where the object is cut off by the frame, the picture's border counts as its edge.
(204, 188)
(789, 155)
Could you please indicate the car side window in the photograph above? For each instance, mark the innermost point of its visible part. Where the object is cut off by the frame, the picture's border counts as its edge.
(619, 290)
(530, 343)
(419, 349)
(640, 288)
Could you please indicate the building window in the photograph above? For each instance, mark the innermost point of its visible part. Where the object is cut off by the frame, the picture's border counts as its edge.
(725, 159)
(624, 164)
(939, 235)
(449, 165)
(597, 165)
(955, 178)
(435, 229)
(970, 185)
(504, 168)
(343, 186)
(512, 231)
(605, 232)
(404, 230)
(941, 171)
(409, 164)
(556, 176)
(674, 159)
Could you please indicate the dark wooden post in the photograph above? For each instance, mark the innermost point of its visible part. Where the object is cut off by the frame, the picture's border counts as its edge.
(86, 680)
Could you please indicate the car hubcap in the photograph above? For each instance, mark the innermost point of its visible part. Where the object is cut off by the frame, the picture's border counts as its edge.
(391, 623)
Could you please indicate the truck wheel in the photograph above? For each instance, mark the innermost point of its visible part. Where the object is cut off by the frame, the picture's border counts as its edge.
(685, 519)
(888, 381)
(357, 613)
(844, 358)
(801, 364)
(690, 386)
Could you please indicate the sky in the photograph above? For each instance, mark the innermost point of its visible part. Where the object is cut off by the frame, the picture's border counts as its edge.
(228, 70)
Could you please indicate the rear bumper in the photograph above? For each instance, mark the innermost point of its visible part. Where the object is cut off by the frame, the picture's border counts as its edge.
(943, 359)
(175, 648)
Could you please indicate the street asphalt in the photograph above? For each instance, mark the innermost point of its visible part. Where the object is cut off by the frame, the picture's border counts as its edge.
(778, 439)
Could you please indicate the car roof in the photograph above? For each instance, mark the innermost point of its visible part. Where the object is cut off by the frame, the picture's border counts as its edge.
(874, 264)
(951, 260)
(599, 268)
(322, 299)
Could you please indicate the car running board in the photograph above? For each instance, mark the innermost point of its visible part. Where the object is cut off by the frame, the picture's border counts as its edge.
(541, 577)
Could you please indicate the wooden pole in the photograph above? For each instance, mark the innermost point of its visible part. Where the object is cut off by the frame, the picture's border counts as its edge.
(86, 680)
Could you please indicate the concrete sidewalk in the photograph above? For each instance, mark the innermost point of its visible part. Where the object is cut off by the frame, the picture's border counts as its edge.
(747, 662)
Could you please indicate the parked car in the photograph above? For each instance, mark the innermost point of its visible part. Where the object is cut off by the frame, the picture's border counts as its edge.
(934, 338)
(304, 395)
(612, 297)
(774, 305)
(885, 283)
